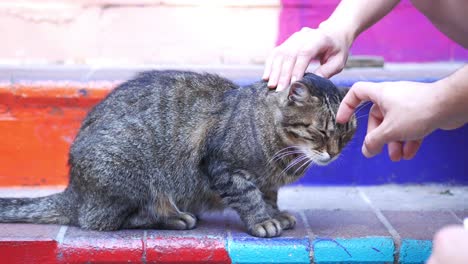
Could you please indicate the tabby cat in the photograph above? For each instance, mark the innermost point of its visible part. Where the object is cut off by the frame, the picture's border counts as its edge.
(168, 145)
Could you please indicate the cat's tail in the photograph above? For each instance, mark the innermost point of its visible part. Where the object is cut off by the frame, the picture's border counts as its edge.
(52, 209)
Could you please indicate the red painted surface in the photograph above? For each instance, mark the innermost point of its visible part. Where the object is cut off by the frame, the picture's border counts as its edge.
(186, 250)
(101, 250)
(403, 35)
(38, 122)
(13, 252)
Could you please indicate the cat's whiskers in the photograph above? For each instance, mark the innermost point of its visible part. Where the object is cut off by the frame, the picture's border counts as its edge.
(294, 162)
(278, 153)
(285, 155)
(309, 160)
(284, 152)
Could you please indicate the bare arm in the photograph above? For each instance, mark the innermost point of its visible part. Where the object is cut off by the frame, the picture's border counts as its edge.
(329, 43)
(453, 106)
(352, 17)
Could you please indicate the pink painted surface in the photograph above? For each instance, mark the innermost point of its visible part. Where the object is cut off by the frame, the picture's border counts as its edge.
(404, 35)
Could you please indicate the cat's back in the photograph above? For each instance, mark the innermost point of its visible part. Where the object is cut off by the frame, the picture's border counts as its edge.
(164, 95)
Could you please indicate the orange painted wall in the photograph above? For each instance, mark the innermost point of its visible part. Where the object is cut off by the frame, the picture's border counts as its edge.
(38, 122)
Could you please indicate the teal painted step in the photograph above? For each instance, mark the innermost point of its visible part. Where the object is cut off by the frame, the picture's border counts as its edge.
(265, 250)
(354, 250)
(414, 251)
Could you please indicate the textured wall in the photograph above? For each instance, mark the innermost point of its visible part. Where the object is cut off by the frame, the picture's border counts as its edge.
(404, 35)
(139, 31)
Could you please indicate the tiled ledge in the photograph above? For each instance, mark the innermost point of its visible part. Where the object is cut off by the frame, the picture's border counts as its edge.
(385, 224)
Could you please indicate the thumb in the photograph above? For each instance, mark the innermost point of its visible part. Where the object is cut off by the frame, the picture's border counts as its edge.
(376, 139)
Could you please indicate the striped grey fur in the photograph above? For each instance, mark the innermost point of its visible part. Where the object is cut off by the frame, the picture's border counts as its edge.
(169, 145)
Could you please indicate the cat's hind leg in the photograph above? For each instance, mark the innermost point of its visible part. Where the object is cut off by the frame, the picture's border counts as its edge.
(103, 214)
(170, 217)
(160, 214)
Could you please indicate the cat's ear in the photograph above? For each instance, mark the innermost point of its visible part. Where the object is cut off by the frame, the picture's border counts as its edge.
(299, 94)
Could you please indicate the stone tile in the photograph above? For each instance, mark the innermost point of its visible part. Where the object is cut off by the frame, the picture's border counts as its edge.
(47, 72)
(94, 246)
(28, 232)
(418, 198)
(461, 214)
(16, 192)
(345, 224)
(419, 225)
(115, 74)
(323, 197)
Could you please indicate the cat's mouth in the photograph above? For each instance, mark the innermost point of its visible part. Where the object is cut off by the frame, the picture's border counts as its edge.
(319, 158)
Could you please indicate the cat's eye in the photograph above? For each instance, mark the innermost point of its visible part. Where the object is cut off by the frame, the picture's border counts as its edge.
(299, 124)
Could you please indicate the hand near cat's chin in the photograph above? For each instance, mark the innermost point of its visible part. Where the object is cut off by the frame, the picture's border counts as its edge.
(405, 112)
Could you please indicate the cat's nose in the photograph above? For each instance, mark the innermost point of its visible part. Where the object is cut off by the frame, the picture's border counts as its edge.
(325, 157)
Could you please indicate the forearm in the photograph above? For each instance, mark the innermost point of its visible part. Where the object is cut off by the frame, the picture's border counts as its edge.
(351, 17)
(452, 105)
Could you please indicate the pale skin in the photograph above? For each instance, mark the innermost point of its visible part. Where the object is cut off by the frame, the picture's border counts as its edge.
(403, 113)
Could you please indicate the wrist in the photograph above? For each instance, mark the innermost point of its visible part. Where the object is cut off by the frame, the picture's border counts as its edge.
(346, 31)
(449, 106)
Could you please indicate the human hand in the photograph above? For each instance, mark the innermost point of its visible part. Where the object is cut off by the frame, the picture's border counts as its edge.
(449, 246)
(288, 62)
(402, 115)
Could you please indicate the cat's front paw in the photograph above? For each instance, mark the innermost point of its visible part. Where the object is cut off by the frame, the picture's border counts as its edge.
(286, 219)
(268, 228)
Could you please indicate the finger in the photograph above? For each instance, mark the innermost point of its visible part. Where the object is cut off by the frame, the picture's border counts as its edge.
(395, 150)
(359, 92)
(332, 66)
(275, 71)
(375, 140)
(302, 62)
(285, 75)
(375, 118)
(374, 121)
(411, 148)
(268, 64)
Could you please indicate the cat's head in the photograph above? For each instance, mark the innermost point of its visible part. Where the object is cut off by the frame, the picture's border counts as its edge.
(307, 119)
